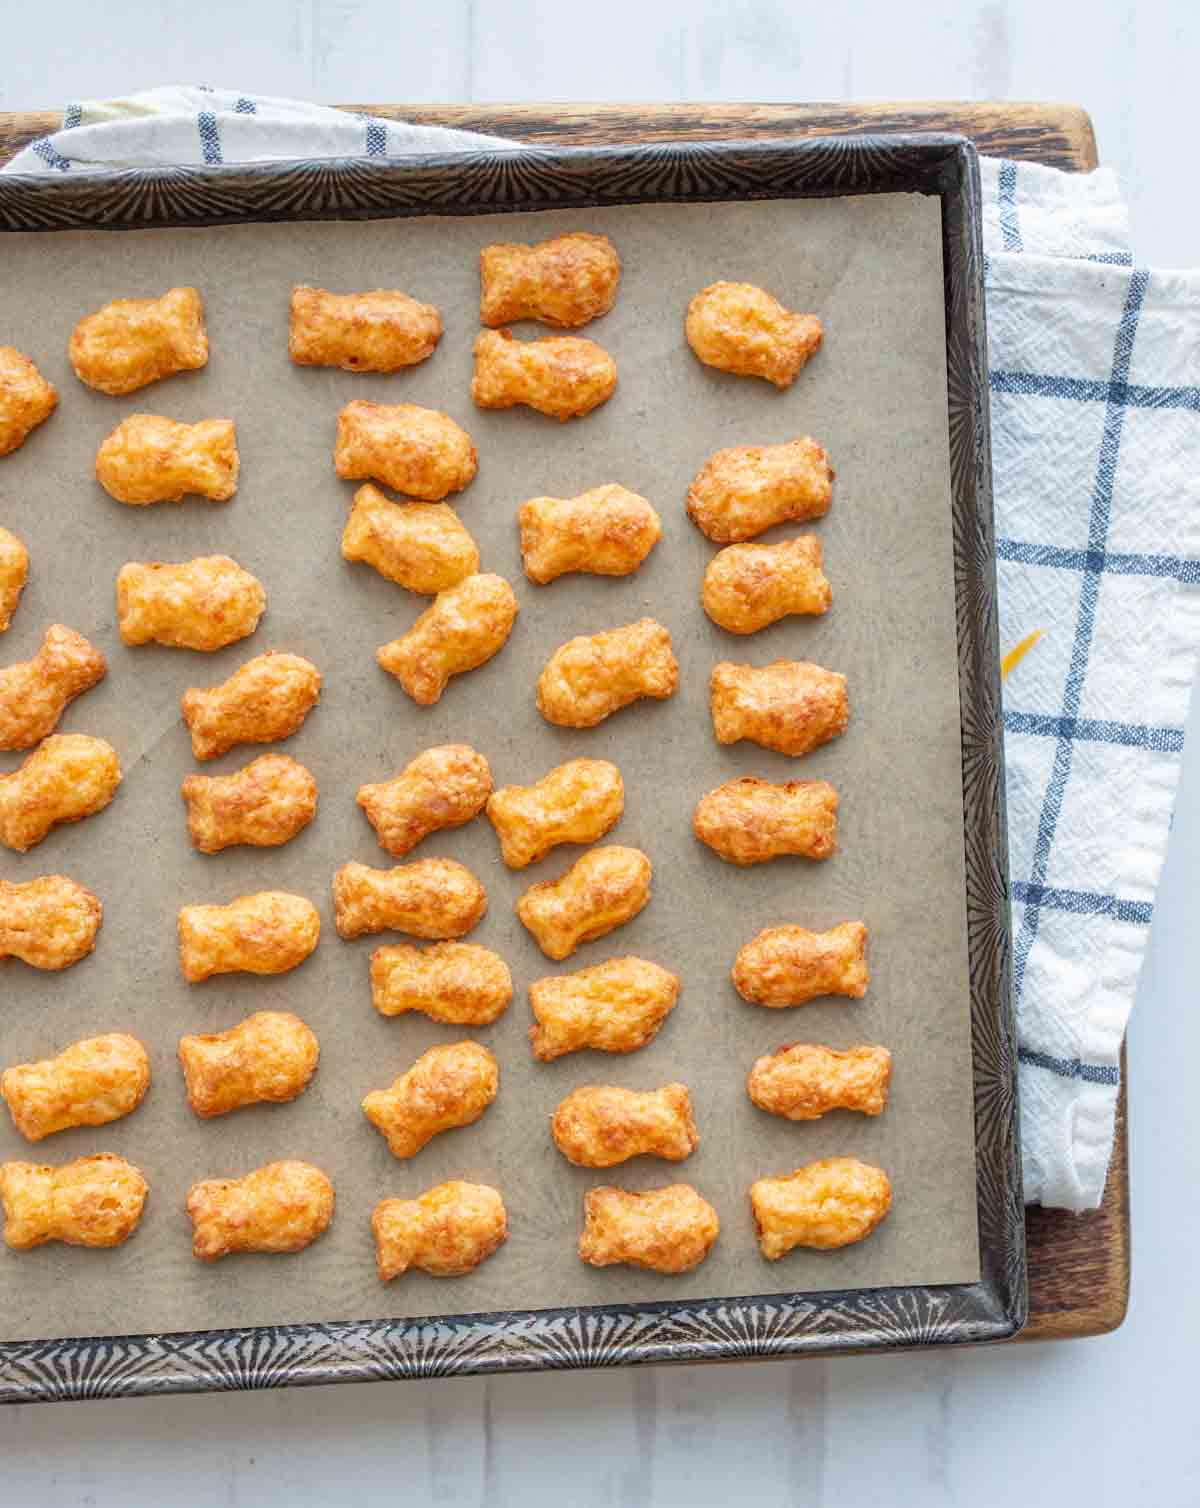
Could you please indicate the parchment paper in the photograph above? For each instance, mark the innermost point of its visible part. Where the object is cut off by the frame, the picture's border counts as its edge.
(875, 395)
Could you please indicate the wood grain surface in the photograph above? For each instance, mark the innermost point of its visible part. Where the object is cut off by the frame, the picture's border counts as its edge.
(1060, 135)
(1078, 1264)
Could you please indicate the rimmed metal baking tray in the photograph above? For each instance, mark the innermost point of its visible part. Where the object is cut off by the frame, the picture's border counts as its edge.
(744, 1327)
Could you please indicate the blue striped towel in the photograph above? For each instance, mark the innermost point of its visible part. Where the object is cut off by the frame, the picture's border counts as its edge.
(1095, 366)
(1095, 373)
(191, 123)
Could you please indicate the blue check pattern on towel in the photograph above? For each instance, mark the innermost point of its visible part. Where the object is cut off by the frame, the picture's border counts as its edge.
(1095, 393)
(1096, 442)
(191, 123)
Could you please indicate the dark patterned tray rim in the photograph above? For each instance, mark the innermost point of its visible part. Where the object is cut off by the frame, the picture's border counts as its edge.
(775, 1325)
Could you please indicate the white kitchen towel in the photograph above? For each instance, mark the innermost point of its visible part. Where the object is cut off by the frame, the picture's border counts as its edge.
(1095, 376)
(193, 124)
(1095, 389)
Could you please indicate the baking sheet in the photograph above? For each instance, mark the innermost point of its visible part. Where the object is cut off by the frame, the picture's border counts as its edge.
(875, 395)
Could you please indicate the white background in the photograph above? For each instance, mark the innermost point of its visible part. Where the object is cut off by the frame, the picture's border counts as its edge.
(1103, 1421)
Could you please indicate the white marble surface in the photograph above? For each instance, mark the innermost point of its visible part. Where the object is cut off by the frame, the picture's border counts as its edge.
(1106, 1421)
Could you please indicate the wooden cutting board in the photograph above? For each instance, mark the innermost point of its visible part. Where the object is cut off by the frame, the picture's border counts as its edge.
(1078, 1264)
